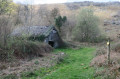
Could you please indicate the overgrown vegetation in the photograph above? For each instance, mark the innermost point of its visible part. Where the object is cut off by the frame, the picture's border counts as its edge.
(87, 29)
(21, 48)
(11, 48)
(39, 38)
(103, 70)
(83, 28)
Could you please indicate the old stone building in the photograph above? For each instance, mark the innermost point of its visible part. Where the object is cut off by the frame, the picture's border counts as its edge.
(50, 34)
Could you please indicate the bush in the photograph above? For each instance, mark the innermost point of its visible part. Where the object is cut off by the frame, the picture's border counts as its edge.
(98, 39)
(37, 38)
(101, 51)
(22, 48)
(87, 29)
(28, 49)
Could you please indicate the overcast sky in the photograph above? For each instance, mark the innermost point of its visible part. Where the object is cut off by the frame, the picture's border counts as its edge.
(56, 1)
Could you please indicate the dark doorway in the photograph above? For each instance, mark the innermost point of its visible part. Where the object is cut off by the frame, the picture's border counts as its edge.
(51, 43)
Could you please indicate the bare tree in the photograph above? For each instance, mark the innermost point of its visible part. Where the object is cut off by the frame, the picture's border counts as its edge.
(55, 13)
(45, 17)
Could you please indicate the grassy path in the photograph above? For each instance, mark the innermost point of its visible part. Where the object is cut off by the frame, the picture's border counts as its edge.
(74, 67)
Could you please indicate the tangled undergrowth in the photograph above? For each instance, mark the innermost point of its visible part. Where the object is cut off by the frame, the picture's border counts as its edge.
(103, 70)
(24, 49)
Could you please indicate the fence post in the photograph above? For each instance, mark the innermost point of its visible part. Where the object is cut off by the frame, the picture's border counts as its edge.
(108, 51)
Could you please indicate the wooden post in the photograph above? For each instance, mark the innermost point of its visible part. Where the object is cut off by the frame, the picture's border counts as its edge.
(108, 51)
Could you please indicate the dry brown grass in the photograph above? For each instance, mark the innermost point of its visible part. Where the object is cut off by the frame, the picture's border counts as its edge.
(111, 71)
(103, 70)
(17, 68)
(101, 60)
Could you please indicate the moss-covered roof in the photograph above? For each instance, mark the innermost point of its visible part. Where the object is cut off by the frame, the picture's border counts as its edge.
(32, 31)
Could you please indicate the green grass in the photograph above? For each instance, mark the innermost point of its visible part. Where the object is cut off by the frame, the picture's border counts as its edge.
(74, 66)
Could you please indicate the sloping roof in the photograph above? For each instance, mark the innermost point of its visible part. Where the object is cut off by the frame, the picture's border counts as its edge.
(32, 31)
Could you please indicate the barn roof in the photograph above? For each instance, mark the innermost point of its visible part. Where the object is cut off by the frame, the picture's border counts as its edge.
(32, 31)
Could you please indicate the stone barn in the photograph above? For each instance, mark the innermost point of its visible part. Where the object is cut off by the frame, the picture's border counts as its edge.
(48, 34)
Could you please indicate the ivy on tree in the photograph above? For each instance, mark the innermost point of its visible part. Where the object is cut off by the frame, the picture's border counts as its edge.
(59, 21)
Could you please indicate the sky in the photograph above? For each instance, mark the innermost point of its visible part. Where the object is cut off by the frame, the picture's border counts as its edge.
(56, 1)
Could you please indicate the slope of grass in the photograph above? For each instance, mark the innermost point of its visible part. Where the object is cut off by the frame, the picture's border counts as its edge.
(74, 66)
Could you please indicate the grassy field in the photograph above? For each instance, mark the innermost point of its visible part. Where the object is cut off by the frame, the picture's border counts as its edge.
(74, 66)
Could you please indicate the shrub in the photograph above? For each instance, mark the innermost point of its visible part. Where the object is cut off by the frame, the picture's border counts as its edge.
(29, 49)
(116, 47)
(22, 48)
(37, 38)
(6, 55)
(98, 39)
(101, 51)
(86, 29)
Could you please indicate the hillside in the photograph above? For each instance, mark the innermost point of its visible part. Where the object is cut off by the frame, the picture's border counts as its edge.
(105, 11)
